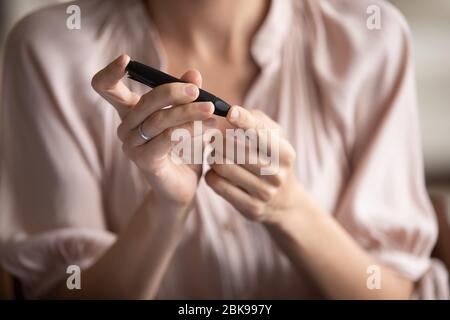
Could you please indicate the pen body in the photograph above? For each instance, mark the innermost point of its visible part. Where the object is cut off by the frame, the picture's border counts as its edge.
(153, 78)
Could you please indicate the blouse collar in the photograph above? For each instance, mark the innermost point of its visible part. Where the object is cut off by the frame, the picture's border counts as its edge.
(266, 44)
(272, 34)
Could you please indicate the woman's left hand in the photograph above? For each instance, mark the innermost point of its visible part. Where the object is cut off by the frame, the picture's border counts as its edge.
(262, 197)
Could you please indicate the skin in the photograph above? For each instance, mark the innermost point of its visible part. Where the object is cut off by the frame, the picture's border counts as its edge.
(315, 242)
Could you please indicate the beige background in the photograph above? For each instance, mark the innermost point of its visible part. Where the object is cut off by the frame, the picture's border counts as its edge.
(430, 23)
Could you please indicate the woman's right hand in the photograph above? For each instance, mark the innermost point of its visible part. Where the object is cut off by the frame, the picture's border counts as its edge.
(173, 183)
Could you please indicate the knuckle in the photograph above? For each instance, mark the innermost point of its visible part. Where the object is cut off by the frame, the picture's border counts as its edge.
(140, 162)
(277, 179)
(152, 127)
(256, 112)
(96, 82)
(254, 209)
(141, 158)
(127, 118)
(129, 137)
(256, 116)
(167, 133)
(267, 193)
(172, 91)
(291, 156)
(145, 98)
(219, 168)
(247, 117)
(191, 111)
(177, 113)
(155, 121)
(126, 149)
(121, 132)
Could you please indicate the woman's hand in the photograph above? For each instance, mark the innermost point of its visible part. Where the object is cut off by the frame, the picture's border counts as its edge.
(258, 197)
(174, 183)
(303, 231)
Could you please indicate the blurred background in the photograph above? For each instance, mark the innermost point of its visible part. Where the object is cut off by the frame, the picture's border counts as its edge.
(430, 24)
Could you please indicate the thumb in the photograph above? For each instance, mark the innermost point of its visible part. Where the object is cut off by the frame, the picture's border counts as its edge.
(193, 76)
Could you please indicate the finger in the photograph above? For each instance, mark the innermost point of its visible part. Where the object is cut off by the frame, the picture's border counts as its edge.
(188, 146)
(133, 143)
(246, 180)
(154, 150)
(107, 82)
(253, 118)
(250, 207)
(258, 146)
(162, 96)
(268, 170)
(141, 112)
(254, 124)
(167, 118)
(160, 147)
(193, 76)
(264, 118)
(171, 118)
(242, 118)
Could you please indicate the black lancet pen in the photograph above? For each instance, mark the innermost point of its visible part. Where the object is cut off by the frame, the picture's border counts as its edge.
(153, 78)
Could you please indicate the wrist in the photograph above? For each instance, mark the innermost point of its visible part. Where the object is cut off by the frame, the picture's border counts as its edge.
(300, 220)
(157, 203)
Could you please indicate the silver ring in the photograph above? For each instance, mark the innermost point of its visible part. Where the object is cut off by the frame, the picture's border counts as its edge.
(142, 134)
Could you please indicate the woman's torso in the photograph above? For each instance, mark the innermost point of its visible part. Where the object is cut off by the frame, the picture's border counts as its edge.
(311, 80)
(221, 254)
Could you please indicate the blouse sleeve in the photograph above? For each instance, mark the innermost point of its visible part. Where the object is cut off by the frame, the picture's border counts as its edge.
(51, 213)
(385, 205)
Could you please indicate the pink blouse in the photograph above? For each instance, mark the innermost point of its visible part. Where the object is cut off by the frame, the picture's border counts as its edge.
(344, 94)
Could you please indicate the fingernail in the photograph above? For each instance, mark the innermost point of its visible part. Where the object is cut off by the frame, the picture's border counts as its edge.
(234, 114)
(211, 122)
(191, 90)
(206, 107)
